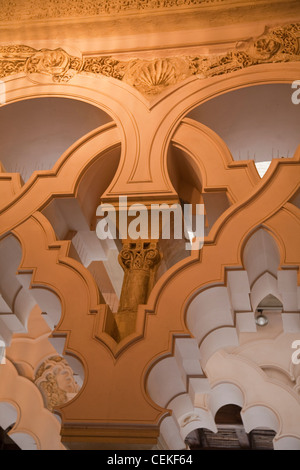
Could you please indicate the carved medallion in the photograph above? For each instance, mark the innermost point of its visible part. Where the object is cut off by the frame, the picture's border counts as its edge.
(56, 382)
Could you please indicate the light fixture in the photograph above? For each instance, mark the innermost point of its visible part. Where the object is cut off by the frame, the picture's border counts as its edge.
(261, 320)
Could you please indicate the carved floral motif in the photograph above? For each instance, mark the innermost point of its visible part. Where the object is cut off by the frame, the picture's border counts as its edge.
(104, 66)
(56, 62)
(13, 59)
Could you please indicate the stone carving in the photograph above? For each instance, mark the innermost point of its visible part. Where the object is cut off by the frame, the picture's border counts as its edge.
(151, 77)
(44, 9)
(139, 261)
(11, 67)
(13, 59)
(139, 256)
(104, 66)
(56, 382)
(11, 52)
(280, 44)
(56, 63)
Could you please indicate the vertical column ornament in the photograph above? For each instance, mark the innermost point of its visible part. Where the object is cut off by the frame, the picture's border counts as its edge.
(139, 261)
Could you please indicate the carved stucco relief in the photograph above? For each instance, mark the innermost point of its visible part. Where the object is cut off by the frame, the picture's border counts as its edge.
(41, 9)
(56, 382)
(151, 77)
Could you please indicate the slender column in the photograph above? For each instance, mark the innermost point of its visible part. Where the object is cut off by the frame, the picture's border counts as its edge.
(139, 259)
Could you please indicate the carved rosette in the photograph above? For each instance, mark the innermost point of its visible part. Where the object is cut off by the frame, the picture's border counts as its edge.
(56, 382)
(55, 63)
(13, 59)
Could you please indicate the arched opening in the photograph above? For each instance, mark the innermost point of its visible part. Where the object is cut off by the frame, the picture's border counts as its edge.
(257, 122)
(186, 180)
(185, 174)
(8, 418)
(36, 132)
(26, 312)
(231, 434)
(74, 218)
(15, 301)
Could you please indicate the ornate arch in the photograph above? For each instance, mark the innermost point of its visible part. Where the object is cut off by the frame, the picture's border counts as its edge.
(45, 428)
(86, 321)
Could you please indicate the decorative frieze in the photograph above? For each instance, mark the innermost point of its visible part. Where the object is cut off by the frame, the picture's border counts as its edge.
(104, 66)
(151, 77)
(56, 64)
(280, 44)
(23, 10)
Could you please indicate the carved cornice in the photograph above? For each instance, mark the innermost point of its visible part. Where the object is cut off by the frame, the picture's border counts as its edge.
(41, 9)
(151, 77)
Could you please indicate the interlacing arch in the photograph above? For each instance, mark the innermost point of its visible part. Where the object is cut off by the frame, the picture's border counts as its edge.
(21, 405)
(191, 382)
(179, 341)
